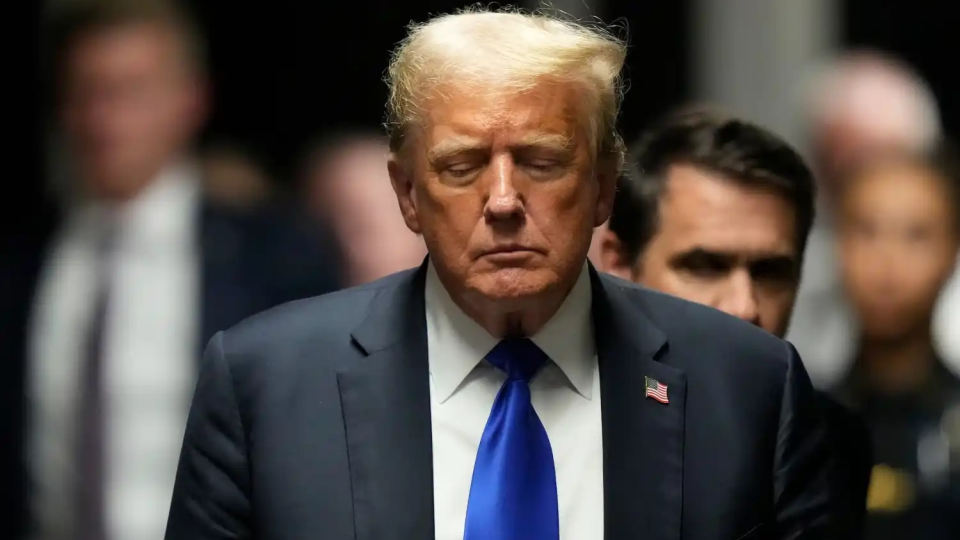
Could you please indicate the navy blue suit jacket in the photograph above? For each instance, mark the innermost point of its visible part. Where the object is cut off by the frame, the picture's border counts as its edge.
(250, 261)
(312, 420)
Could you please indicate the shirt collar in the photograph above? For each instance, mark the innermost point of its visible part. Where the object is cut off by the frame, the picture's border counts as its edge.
(161, 216)
(456, 343)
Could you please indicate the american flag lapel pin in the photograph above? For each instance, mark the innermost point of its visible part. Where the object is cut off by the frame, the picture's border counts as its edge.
(656, 390)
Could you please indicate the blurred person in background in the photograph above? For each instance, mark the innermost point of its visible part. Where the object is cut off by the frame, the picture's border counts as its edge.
(898, 226)
(863, 104)
(232, 178)
(346, 187)
(717, 210)
(111, 309)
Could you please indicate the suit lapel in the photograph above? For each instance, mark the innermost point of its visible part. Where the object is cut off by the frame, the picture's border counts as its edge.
(642, 438)
(386, 409)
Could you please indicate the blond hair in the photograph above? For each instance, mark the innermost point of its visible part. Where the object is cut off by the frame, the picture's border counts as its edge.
(508, 51)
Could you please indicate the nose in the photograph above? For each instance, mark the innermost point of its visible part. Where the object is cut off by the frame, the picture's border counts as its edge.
(504, 201)
(740, 298)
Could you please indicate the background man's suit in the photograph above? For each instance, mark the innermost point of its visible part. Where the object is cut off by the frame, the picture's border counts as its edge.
(313, 420)
(249, 261)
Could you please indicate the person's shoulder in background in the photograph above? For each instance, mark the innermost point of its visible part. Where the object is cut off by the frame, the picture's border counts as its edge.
(850, 438)
(747, 398)
(275, 247)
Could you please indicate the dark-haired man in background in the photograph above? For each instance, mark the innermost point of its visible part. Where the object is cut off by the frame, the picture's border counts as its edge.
(717, 211)
(104, 307)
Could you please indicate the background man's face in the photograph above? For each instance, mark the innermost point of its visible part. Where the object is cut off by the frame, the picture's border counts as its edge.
(351, 191)
(505, 192)
(897, 248)
(130, 103)
(725, 245)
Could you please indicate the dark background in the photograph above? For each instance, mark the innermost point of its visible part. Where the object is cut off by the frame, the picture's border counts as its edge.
(922, 32)
(287, 72)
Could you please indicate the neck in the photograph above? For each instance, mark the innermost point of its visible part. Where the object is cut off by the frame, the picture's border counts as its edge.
(119, 191)
(897, 365)
(514, 318)
(522, 321)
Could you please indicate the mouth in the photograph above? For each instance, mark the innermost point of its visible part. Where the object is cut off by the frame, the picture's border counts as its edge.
(512, 251)
(508, 248)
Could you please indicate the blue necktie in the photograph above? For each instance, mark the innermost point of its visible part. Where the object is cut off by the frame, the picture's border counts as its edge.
(513, 495)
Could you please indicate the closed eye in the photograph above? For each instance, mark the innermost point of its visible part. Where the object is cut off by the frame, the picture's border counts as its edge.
(543, 168)
(543, 165)
(461, 170)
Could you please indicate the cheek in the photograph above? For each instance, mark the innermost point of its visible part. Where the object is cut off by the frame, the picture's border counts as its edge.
(777, 305)
(564, 213)
(653, 272)
(856, 260)
(924, 278)
(448, 217)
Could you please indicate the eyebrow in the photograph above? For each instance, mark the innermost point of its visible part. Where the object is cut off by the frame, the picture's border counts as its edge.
(453, 146)
(546, 140)
(703, 253)
(456, 145)
(729, 257)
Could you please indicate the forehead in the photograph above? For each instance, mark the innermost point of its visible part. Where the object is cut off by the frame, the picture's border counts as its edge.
(128, 44)
(899, 188)
(704, 210)
(501, 117)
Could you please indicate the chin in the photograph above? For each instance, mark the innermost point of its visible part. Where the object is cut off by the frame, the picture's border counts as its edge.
(884, 328)
(513, 284)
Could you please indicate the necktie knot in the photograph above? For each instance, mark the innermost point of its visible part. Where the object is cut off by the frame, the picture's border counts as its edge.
(519, 358)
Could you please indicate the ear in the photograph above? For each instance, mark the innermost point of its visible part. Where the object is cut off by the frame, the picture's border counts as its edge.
(402, 181)
(607, 178)
(612, 256)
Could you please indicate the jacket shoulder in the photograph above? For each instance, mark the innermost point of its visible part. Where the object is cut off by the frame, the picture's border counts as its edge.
(679, 315)
(321, 324)
(693, 328)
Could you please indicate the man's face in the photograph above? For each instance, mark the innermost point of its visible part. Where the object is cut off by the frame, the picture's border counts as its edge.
(130, 104)
(897, 248)
(505, 193)
(724, 245)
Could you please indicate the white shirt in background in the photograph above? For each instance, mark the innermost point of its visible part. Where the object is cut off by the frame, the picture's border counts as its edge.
(150, 356)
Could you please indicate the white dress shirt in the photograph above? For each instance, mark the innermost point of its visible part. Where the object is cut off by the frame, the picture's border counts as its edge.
(565, 394)
(150, 354)
(946, 323)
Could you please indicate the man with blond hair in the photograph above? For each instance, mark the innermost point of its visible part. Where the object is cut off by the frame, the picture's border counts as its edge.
(504, 390)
